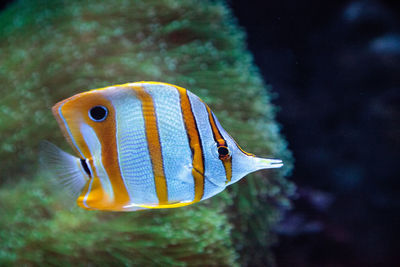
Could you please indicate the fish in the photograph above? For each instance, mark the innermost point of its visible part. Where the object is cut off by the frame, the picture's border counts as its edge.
(145, 145)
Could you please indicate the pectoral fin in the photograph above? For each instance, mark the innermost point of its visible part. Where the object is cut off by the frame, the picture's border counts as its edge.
(66, 169)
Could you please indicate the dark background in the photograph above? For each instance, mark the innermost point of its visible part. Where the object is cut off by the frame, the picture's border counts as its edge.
(335, 66)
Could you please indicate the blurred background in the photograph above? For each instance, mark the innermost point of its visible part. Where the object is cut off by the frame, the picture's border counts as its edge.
(335, 66)
(334, 70)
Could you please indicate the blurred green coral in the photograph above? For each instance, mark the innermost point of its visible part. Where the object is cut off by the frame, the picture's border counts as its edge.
(50, 50)
(35, 228)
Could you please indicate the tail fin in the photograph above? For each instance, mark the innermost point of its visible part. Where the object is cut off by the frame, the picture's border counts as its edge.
(66, 168)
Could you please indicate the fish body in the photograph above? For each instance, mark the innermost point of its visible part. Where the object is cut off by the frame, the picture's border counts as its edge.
(146, 145)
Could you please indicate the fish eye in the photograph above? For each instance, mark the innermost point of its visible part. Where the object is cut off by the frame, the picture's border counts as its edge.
(223, 152)
(98, 113)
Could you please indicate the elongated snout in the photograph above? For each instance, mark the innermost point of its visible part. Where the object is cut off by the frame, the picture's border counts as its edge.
(261, 163)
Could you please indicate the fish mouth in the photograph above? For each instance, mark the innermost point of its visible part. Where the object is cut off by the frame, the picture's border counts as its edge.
(262, 163)
(276, 163)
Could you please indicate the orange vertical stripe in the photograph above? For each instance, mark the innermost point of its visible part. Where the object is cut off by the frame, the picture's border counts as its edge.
(106, 134)
(195, 144)
(220, 142)
(154, 145)
(228, 169)
(217, 135)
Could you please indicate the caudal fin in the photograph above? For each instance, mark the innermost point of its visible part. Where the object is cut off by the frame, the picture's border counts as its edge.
(66, 169)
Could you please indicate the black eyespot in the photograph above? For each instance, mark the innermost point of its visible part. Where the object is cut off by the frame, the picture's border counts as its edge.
(223, 152)
(98, 113)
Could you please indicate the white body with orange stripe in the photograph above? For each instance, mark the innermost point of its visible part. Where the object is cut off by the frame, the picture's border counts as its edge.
(148, 145)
